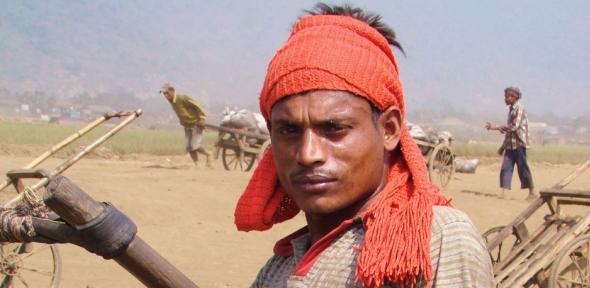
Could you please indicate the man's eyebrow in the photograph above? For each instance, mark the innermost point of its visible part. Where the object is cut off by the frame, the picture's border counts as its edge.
(324, 121)
(283, 122)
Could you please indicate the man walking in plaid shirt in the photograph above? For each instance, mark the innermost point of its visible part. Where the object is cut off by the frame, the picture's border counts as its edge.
(516, 142)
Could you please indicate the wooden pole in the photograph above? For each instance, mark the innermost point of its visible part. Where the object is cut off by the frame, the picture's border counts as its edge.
(569, 178)
(68, 163)
(58, 147)
(77, 208)
(508, 229)
(238, 131)
(83, 131)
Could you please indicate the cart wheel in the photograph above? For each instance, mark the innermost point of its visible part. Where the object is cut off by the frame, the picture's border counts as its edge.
(231, 160)
(504, 247)
(441, 165)
(29, 265)
(571, 268)
(218, 145)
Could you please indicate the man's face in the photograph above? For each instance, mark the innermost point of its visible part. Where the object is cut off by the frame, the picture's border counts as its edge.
(169, 94)
(510, 98)
(328, 151)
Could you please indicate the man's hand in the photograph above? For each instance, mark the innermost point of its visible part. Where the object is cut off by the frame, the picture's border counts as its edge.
(491, 126)
(501, 150)
(201, 124)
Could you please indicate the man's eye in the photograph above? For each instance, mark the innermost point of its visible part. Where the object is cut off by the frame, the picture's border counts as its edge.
(334, 128)
(288, 130)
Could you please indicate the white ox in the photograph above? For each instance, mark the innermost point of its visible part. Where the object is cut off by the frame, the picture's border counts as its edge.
(244, 119)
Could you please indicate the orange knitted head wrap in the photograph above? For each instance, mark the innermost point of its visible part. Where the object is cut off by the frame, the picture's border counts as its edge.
(329, 52)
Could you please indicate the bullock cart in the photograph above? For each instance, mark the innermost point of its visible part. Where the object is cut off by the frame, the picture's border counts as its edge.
(555, 254)
(440, 160)
(239, 149)
(39, 264)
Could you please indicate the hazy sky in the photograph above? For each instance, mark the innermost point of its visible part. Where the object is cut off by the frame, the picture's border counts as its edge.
(459, 54)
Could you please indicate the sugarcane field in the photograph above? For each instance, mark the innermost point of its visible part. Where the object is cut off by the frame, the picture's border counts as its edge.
(294, 144)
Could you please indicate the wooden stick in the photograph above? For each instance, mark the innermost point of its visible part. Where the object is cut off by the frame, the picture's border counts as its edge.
(58, 147)
(239, 132)
(519, 219)
(68, 163)
(77, 208)
(552, 192)
(569, 178)
(539, 234)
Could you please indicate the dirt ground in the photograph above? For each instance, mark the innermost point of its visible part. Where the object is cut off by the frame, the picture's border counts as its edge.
(187, 214)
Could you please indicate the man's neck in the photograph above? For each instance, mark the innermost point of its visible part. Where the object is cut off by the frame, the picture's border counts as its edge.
(321, 224)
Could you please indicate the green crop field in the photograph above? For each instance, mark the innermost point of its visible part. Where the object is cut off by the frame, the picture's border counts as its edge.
(555, 154)
(159, 142)
(127, 141)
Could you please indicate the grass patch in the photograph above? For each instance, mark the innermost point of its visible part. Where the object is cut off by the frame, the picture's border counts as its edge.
(160, 142)
(128, 141)
(556, 154)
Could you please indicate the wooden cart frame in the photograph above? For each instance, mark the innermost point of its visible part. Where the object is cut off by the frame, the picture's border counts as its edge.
(556, 254)
(239, 150)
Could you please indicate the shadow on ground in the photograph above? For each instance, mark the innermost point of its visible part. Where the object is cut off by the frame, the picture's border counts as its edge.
(491, 195)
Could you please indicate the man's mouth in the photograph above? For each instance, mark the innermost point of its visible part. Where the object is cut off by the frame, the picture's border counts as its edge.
(313, 183)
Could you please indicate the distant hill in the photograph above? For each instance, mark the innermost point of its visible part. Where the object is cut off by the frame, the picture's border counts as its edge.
(69, 47)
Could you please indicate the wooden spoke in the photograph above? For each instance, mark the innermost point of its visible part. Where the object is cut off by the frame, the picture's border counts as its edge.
(39, 268)
(42, 272)
(501, 250)
(571, 268)
(22, 280)
(37, 250)
(232, 160)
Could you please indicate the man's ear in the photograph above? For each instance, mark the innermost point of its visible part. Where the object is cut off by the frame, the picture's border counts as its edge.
(391, 121)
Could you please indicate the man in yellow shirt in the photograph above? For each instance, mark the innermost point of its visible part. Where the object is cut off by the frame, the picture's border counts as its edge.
(192, 117)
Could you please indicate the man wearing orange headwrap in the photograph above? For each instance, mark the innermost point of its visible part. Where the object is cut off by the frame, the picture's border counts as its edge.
(341, 153)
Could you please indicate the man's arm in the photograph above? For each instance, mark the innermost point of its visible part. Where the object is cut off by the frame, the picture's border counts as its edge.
(197, 108)
(492, 126)
(194, 105)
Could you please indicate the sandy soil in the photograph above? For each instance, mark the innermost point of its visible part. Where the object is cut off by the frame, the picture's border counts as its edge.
(187, 214)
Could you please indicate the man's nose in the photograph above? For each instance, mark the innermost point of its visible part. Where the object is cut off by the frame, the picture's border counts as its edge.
(312, 151)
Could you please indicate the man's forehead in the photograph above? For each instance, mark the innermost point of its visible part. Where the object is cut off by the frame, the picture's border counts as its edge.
(330, 102)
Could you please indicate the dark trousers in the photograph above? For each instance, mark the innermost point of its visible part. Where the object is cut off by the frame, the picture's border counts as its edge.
(516, 156)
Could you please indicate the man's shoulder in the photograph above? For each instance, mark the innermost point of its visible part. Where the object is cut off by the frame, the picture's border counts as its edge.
(182, 97)
(445, 216)
(519, 105)
(456, 245)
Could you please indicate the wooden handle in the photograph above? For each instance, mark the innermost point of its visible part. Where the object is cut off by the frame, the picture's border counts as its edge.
(77, 208)
(70, 202)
